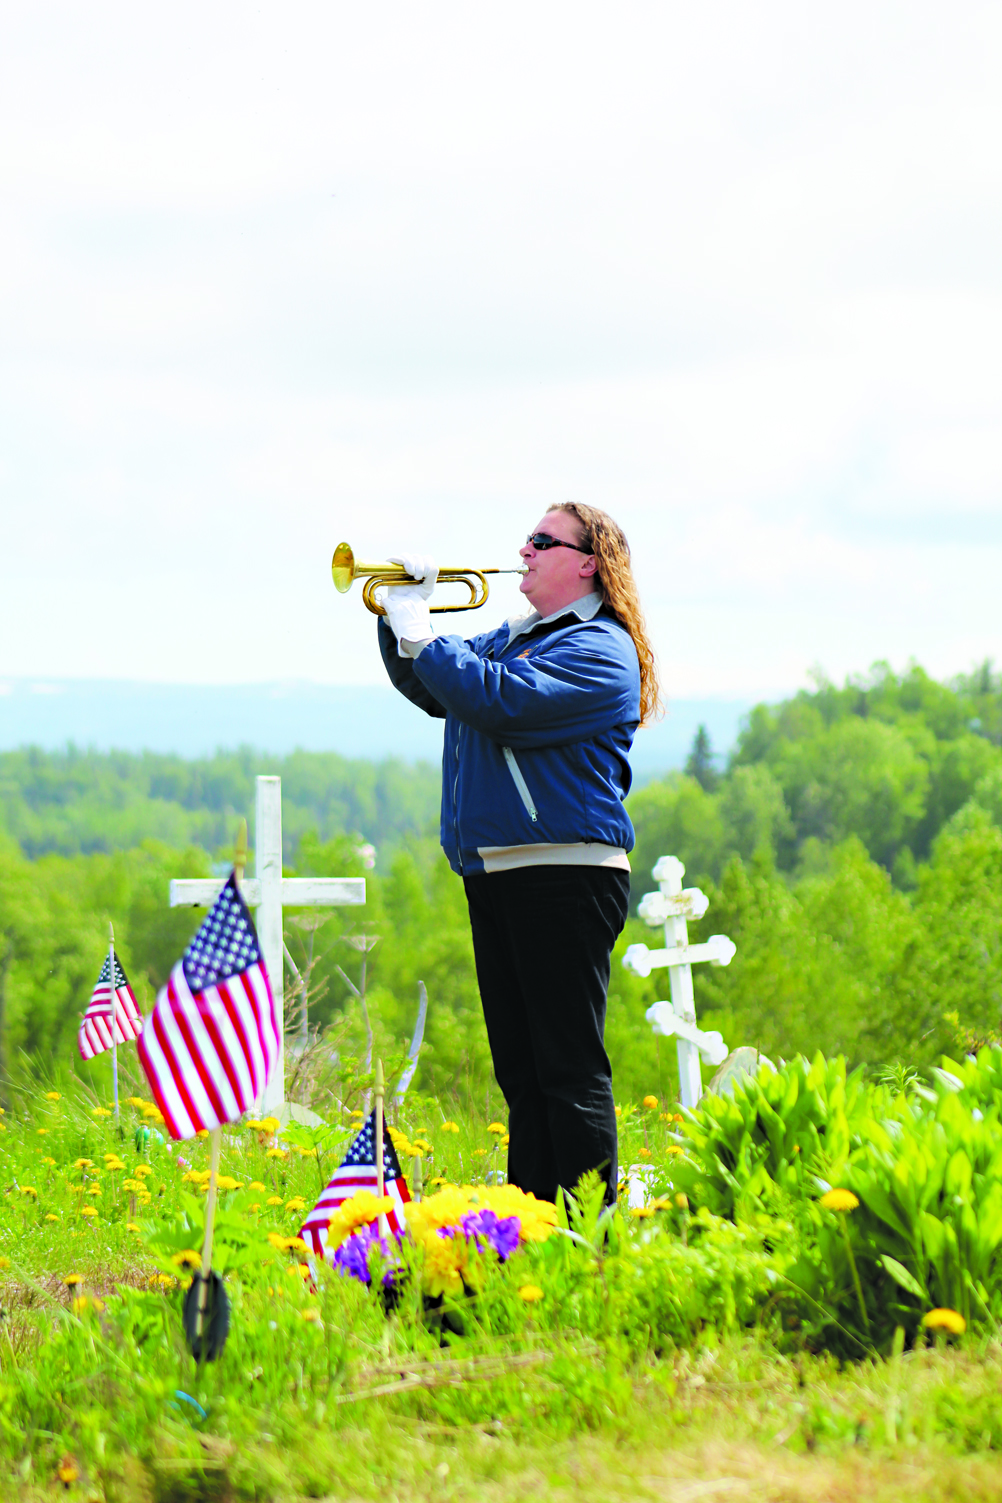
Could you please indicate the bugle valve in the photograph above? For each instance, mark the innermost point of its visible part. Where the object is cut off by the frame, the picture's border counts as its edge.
(345, 568)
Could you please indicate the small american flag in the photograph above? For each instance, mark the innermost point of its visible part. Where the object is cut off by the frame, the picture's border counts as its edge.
(95, 1034)
(212, 1038)
(357, 1171)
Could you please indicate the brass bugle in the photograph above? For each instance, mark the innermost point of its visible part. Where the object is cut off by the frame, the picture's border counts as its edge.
(345, 568)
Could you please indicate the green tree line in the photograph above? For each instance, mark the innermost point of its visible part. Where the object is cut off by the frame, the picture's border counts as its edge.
(77, 801)
(851, 847)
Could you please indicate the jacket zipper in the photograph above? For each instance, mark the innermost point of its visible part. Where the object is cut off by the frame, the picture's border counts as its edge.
(520, 783)
(455, 799)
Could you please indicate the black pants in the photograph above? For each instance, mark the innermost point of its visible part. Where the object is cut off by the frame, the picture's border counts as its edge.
(542, 936)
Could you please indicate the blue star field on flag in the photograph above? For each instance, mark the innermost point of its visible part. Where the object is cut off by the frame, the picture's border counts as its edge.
(225, 945)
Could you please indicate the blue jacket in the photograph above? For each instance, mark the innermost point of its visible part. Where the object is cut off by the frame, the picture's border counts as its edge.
(537, 732)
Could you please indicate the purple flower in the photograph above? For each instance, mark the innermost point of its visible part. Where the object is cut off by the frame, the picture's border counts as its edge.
(486, 1228)
(352, 1257)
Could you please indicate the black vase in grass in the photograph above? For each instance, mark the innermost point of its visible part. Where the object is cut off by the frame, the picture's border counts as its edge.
(215, 1318)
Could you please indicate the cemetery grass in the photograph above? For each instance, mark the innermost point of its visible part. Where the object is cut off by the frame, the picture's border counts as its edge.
(99, 1398)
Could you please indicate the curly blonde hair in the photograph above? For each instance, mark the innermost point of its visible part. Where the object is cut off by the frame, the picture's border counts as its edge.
(618, 588)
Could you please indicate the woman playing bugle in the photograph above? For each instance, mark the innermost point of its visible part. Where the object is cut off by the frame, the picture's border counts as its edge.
(540, 716)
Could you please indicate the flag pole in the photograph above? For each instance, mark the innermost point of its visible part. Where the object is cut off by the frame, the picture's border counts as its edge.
(384, 1225)
(239, 862)
(114, 1010)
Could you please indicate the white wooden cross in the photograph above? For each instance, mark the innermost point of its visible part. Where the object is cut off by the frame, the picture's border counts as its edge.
(269, 892)
(671, 906)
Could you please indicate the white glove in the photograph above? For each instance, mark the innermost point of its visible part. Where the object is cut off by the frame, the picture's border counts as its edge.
(408, 613)
(420, 566)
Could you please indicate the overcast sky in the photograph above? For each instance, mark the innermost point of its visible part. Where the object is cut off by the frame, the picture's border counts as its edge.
(275, 275)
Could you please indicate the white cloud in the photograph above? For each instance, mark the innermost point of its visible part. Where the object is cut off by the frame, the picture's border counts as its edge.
(283, 276)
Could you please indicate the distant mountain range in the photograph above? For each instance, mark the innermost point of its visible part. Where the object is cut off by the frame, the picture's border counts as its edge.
(196, 720)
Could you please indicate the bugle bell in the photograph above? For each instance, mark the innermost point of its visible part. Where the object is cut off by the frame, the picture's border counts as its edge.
(345, 568)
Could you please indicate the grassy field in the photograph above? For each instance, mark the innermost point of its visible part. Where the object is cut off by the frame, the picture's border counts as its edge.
(656, 1356)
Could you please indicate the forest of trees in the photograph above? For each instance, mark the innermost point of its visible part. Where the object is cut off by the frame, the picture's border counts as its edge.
(851, 847)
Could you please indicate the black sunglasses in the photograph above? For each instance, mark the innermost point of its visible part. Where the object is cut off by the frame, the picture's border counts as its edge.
(542, 540)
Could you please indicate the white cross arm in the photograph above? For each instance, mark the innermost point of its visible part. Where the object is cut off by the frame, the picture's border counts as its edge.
(655, 907)
(709, 1042)
(297, 892)
(718, 950)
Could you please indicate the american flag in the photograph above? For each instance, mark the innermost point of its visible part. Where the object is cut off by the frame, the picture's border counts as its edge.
(95, 1034)
(212, 1038)
(357, 1171)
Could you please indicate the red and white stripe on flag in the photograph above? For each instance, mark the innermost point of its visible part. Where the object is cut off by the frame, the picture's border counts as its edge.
(95, 1034)
(209, 1045)
(358, 1172)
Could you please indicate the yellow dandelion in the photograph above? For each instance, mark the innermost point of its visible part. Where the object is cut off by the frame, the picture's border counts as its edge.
(94, 1190)
(48, 1160)
(88, 1210)
(682, 1201)
(276, 1153)
(297, 1203)
(72, 1279)
(619, 1111)
(227, 1182)
(67, 1471)
(53, 1096)
(4, 1262)
(50, 1217)
(132, 1226)
(137, 1101)
(187, 1258)
(945, 1320)
(839, 1200)
(438, 1180)
(256, 1184)
(450, 1126)
(651, 1103)
(640, 1212)
(29, 1190)
(497, 1127)
(644, 1153)
(42, 1131)
(530, 1293)
(141, 1171)
(274, 1200)
(83, 1163)
(270, 1124)
(133, 1185)
(162, 1281)
(100, 1111)
(310, 1313)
